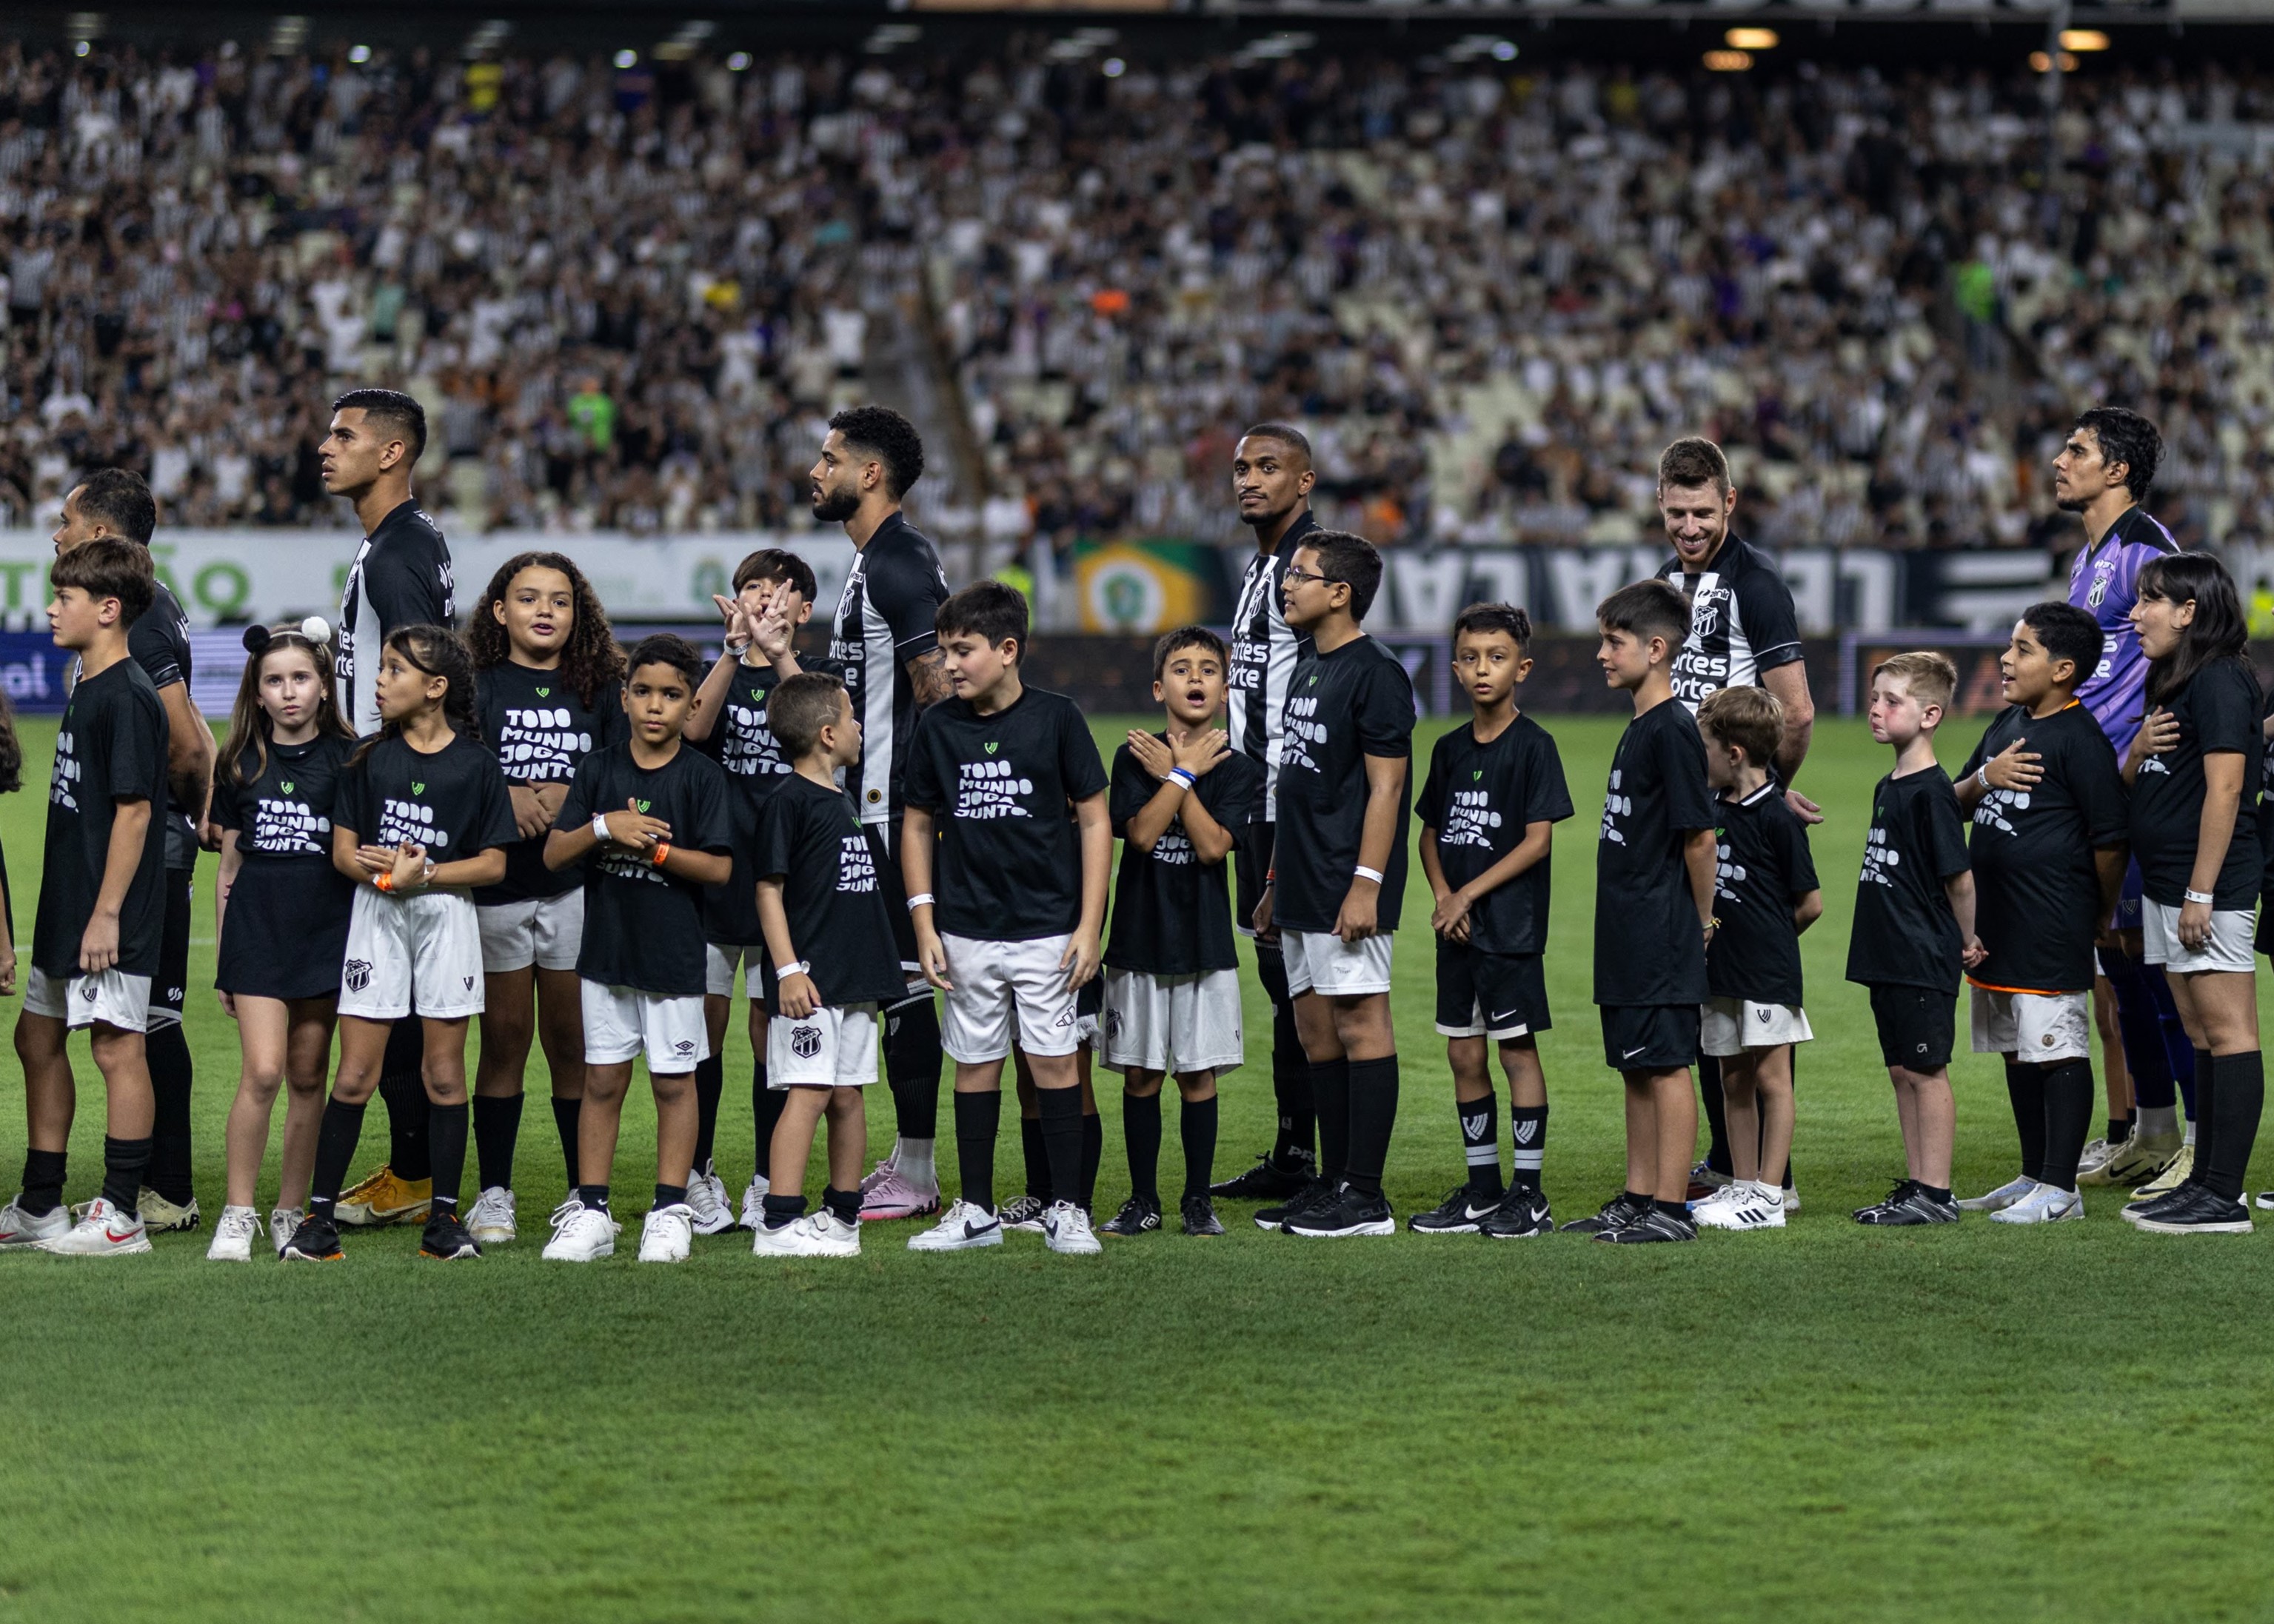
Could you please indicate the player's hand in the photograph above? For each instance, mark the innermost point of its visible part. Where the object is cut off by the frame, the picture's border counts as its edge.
(931, 954)
(2014, 768)
(375, 859)
(209, 834)
(2157, 734)
(227, 1003)
(529, 817)
(1450, 917)
(1079, 960)
(636, 830)
(1973, 953)
(1355, 920)
(1153, 756)
(550, 796)
(798, 996)
(408, 869)
(98, 944)
(1198, 752)
(2194, 925)
(7, 972)
(1806, 810)
(1264, 931)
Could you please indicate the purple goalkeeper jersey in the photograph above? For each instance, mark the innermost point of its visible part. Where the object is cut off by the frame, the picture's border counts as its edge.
(2104, 581)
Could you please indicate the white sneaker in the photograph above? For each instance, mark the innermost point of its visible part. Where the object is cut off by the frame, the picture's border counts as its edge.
(1999, 1199)
(492, 1222)
(2095, 1155)
(961, 1227)
(581, 1233)
(1065, 1227)
(102, 1232)
(2045, 1204)
(1722, 1195)
(668, 1235)
(754, 1202)
(19, 1227)
(1749, 1206)
(233, 1233)
(706, 1198)
(283, 1222)
(161, 1216)
(816, 1234)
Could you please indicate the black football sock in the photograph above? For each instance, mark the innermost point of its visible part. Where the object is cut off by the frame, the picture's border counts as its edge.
(912, 1065)
(336, 1147)
(2068, 1117)
(566, 1115)
(1717, 1116)
(1480, 1145)
(2119, 1129)
(497, 1125)
(1330, 1095)
(1093, 1153)
(168, 1050)
(710, 1083)
(2207, 1121)
(2025, 1087)
(781, 1209)
(402, 1086)
(446, 1129)
(123, 1162)
(1061, 1118)
(1291, 1071)
(844, 1204)
(1672, 1209)
(1196, 1128)
(1935, 1191)
(670, 1195)
(2238, 1097)
(766, 1102)
(1141, 1134)
(977, 1115)
(43, 1183)
(1528, 1129)
(1373, 1116)
(1038, 1164)
(594, 1196)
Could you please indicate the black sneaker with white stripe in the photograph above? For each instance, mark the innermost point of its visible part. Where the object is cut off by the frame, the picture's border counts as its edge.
(1137, 1216)
(2205, 1212)
(1915, 1208)
(1351, 1212)
(1621, 1210)
(1655, 1225)
(1871, 1214)
(1458, 1214)
(1314, 1191)
(1268, 1180)
(1199, 1217)
(1523, 1214)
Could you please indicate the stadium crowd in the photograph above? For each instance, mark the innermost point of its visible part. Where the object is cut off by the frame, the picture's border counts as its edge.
(1490, 292)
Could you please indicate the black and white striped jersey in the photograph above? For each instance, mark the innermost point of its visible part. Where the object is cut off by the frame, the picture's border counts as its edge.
(401, 577)
(883, 620)
(1264, 650)
(1742, 622)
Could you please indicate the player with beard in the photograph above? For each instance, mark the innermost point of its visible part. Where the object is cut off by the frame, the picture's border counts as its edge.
(1742, 634)
(1271, 481)
(400, 577)
(885, 647)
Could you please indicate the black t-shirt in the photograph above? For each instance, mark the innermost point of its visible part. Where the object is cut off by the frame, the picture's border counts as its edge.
(1650, 946)
(400, 577)
(540, 729)
(840, 920)
(742, 741)
(1904, 933)
(1342, 708)
(2266, 826)
(284, 814)
(2217, 710)
(1763, 868)
(1478, 799)
(1172, 912)
(112, 743)
(452, 802)
(885, 618)
(1008, 864)
(159, 640)
(2036, 892)
(643, 928)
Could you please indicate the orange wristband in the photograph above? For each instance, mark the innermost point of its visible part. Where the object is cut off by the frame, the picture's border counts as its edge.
(662, 851)
(382, 881)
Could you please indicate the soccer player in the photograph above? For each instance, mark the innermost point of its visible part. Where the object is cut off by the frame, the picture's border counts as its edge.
(281, 918)
(884, 646)
(1913, 929)
(1008, 896)
(2103, 469)
(1180, 798)
(114, 502)
(2194, 767)
(1271, 480)
(1337, 880)
(1488, 812)
(835, 969)
(399, 577)
(548, 680)
(774, 597)
(424, 787)
(99, 934)
(2048, 844)
(1764, 895)
(1653, 914)
(650, 824)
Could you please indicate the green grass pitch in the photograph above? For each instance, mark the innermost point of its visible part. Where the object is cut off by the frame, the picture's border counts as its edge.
(1827, 1423)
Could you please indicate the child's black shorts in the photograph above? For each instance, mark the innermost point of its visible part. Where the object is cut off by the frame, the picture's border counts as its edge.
(1649, 1037)
(1497, 996)
(1917, 1026)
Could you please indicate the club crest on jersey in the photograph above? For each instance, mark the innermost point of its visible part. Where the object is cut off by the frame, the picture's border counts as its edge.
(357, 974)
(2099, 594)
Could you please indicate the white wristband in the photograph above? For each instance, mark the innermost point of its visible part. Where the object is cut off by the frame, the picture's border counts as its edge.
(1365, 872)
(2203, 897)
(922, 899)
(1182, 777)
(600, 826)
(784, 972)
(1981, 775)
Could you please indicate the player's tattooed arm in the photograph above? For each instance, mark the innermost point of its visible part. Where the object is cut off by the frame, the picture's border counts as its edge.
(928, 677)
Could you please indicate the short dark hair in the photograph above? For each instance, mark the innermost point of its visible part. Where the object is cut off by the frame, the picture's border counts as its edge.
(393, 411)
(801, 708)
(666, 649)
(994, 609)
(1646, 609)
(1350, 559)
(1693, 460)
(120, 498)
(2127, 438)
(1189, 637)
(109, 568)
(775, 564)
(1752, 718)
(888, 437)
(2068, 634)
(1285, 433)
(1478, 619)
